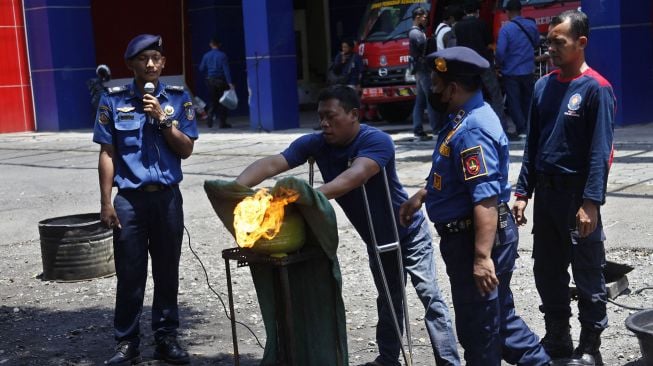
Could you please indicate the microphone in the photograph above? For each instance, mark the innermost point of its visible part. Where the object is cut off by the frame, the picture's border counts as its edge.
(148, 88)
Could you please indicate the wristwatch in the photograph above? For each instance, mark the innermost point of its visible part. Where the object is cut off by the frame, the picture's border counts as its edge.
(165, 123)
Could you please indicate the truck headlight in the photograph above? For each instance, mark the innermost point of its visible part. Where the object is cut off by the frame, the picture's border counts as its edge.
(408, 77)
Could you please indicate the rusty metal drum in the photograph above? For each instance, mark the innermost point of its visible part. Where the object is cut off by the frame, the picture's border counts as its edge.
(77, 247)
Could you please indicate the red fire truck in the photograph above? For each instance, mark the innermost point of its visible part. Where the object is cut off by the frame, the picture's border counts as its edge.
(387, 86)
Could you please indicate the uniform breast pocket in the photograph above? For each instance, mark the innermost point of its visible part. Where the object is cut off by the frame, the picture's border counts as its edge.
(128, 131)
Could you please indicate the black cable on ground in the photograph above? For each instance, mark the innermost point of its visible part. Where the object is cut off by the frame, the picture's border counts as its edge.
(636, 292)
(208, 283)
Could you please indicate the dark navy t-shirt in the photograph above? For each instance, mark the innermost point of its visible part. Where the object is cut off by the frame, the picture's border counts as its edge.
(332, 160)
(570, 132)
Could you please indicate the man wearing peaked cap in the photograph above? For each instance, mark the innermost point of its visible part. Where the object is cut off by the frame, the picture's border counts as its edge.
(144, 130)
(143, 42)
(466, 196)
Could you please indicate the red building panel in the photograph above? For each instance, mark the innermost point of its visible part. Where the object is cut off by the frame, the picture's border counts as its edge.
(15, 89)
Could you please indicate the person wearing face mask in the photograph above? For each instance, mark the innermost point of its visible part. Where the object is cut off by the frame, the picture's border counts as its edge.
(478, 235)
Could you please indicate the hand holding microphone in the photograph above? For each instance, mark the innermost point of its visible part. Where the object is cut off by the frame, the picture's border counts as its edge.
(151, 104)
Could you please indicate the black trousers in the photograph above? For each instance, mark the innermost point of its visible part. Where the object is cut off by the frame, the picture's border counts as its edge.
(217, 87)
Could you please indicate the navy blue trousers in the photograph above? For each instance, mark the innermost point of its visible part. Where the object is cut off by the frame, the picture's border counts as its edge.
(556, 245)
(488, 327)
(151, 222)
(519, 94)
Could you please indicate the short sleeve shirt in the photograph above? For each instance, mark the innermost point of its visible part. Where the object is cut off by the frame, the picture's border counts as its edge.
(333, 160)
(470, 163)
(141, 153)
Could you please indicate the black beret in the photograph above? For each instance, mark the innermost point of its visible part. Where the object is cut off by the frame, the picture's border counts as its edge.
(141, 43)
(457, 61)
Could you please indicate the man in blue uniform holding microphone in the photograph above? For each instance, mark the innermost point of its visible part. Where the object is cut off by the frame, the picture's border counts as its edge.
(466, 196)
(144, 130)
(566, 162)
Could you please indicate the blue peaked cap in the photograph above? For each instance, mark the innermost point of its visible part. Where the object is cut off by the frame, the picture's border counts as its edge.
(141, 43)
(457, 61)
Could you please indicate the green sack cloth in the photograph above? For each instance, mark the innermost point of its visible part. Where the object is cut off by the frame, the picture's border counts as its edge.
(315, 285)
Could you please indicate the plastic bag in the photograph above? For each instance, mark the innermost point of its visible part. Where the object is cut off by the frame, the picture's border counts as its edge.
(229, 99)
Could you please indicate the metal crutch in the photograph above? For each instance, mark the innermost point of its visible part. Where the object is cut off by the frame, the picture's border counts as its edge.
(378, 249)
(377, 255)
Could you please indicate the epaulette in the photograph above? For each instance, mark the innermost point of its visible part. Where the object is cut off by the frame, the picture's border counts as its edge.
(117, 89)
(177, 88)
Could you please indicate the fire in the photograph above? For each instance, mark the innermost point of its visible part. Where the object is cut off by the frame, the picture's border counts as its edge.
(261, 215)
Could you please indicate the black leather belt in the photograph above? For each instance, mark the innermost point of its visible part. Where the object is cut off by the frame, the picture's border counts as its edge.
(467, 224)
(561, 182)
(154, 187)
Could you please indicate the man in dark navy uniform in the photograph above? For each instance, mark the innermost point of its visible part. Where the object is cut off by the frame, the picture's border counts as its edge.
(566, 161)
(466, 196)
(143, 136)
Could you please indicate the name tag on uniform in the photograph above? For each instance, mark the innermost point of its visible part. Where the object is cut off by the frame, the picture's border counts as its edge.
(126, 117)
(437, 181)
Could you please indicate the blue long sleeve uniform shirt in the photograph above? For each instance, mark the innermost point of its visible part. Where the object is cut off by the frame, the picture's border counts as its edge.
(215, 64)
(515, 52)
(571, 131)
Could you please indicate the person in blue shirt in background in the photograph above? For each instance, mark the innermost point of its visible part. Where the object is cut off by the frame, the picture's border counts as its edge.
(566, 162)
(215, 65)
(515, 57)
(350, 154)
(466, 196)
(348, 65)
(143, 136)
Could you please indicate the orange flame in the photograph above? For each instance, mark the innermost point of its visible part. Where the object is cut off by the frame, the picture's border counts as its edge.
(261, 215)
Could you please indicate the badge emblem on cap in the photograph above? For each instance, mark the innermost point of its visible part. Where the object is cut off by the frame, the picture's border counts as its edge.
(441, 64)
(169, 110)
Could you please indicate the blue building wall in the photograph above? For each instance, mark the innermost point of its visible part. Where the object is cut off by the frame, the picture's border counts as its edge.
(62, 58)
(621, 49)
(271, 64)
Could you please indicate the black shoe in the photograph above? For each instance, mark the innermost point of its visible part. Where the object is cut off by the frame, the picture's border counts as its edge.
(423, 136)
(170, 351)
(512, 136)
(587, 353)
(225, 125)
(126, 354)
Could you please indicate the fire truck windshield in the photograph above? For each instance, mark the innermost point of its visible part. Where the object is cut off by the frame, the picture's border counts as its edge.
(385, 20)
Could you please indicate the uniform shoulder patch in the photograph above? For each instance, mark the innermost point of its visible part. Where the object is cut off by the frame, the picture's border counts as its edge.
(177, 88)
(473, 161)
(117, 89)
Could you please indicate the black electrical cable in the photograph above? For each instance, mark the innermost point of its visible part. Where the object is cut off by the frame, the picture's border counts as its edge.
(206, 275)
(636, 292)
(208, 283)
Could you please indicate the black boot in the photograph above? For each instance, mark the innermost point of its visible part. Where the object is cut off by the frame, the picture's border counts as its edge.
(587, 353)
(557, 341)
